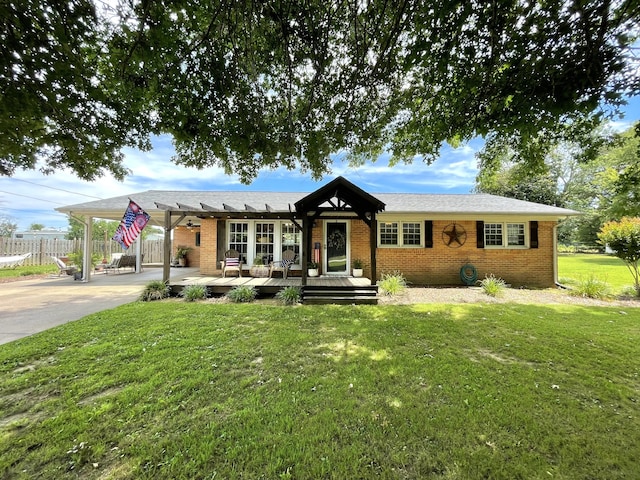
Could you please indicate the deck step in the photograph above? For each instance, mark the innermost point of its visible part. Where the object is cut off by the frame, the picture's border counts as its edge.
(342, 295)
(342, 300)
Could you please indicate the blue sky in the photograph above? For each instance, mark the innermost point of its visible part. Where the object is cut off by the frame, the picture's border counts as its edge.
(30, 197)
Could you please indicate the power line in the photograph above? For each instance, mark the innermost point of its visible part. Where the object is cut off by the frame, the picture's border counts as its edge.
(32, 198)
(55, 188)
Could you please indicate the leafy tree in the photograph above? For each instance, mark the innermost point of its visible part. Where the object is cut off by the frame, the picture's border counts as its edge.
(595, 173)
(7, 227)
(620, 190)
(247, 85)
(623, 237)
(36, 227)
(55, 104)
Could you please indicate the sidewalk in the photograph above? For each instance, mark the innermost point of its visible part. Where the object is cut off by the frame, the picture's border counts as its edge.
(31, 306)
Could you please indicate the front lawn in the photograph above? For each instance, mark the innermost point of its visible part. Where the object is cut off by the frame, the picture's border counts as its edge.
(573, 268)
(175, 390)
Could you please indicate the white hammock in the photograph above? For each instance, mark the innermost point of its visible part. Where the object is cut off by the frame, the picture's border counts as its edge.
(13, 261)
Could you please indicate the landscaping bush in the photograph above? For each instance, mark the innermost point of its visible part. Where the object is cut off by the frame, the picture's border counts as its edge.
(392, 283)
(289, 295)
(155, 290)
(242, 294)
(591, 287)
(191, 293)
(492, 285)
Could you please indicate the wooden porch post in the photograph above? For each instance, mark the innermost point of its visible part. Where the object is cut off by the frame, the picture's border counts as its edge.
(373, 241)
(305, 249)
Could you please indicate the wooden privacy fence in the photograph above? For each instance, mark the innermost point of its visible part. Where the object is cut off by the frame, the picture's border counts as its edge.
(43, 249)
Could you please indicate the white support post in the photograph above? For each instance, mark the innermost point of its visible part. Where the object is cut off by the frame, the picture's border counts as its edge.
(138, 254)
(87, 253)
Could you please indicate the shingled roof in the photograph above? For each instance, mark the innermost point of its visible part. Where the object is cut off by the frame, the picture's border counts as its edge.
(274, 204)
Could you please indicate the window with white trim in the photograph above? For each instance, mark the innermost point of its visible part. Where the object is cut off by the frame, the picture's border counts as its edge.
(388, 233)
(239, 238)
(291, 238)
(400, 234)
(411, 233)
(264, 241)
(507, 235)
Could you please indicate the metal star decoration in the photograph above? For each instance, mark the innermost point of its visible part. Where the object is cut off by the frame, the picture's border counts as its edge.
(454, 235)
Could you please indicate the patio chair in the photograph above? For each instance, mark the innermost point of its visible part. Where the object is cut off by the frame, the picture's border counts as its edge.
(232, 263)
(114, 264)
(288, 256)
(119, 260)
(63, 267)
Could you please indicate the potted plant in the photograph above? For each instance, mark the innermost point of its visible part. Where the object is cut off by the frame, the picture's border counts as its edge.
(181, 255)
(357, 267)
(258, 269)
(312, 268)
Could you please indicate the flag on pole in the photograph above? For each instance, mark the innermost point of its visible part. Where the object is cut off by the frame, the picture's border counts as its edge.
(132, 223)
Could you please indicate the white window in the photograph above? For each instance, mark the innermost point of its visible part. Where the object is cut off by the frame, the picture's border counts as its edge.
(400, 234)
(507, 235)
(239, 238)
(493, 235)
(515, 235)
(265, 235)
(291, 238)
(411, 233)
(260, 239)
(388, 233)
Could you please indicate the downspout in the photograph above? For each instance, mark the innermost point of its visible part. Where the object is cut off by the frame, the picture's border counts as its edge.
(555, 254)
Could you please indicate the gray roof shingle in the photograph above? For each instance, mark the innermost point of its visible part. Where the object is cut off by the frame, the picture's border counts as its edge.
(476, 204)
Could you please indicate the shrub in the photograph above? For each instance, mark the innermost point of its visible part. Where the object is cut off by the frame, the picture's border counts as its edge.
(191, 293)
(289, 295)
(591, 287)
(392, 283)
(242, 294)
(492, 285)
(629, 291)
(155, 290)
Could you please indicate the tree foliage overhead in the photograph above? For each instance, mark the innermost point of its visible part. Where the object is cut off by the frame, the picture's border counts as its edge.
(247, 85)
(603, 184)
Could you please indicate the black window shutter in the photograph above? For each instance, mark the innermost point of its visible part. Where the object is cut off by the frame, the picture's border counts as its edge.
(480, 234)
(221, 237)
(428, 234)
(533, 234)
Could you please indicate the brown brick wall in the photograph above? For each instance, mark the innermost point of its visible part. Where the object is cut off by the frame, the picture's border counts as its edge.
(208, 247)
(441, 264)
(184, 236)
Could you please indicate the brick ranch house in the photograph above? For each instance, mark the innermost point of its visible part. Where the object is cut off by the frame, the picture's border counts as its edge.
(426, 237)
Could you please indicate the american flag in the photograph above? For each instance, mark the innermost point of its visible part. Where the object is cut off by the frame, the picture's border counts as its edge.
(132, 223)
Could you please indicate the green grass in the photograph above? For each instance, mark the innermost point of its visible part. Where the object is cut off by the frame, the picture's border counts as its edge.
(27, 270)
(175, 390)
(573, 269)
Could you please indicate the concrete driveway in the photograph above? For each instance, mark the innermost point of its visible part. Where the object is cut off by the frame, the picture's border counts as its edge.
(31, 306)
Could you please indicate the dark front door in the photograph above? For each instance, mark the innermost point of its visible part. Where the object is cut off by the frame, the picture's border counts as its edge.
(336, 241)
